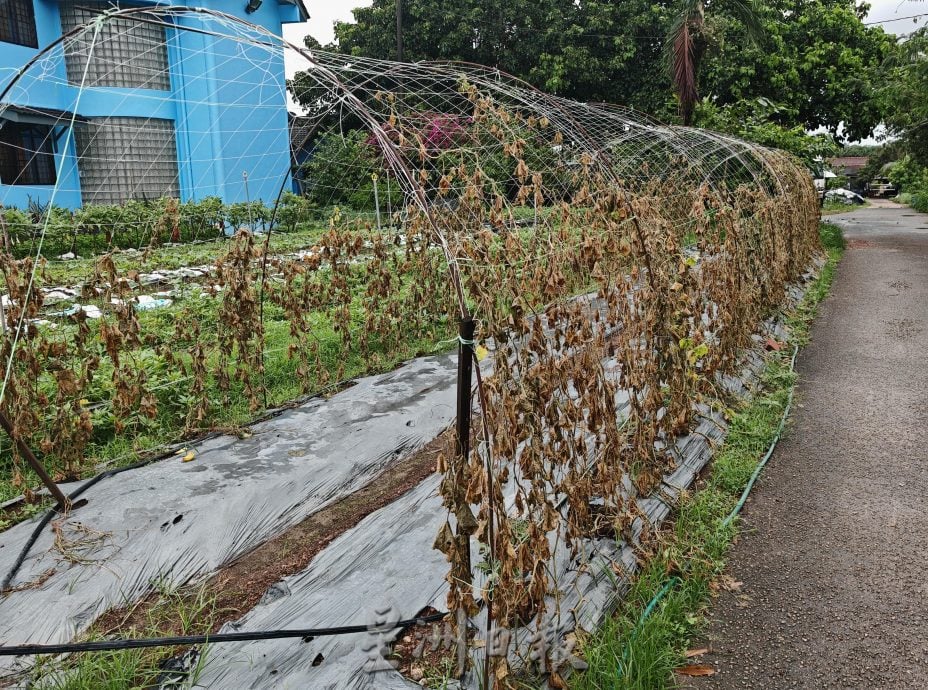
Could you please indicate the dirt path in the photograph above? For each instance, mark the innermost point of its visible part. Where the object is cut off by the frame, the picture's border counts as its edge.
(832, 558)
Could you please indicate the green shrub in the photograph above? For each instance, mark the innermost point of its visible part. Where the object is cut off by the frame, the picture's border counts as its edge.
(96, 228)
(908, 175)
(340, 173)
(292, 210)
(202, 219)
(920, 201)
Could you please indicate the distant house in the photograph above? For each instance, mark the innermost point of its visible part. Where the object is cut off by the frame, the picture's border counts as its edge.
(850, 167)
(164, 111)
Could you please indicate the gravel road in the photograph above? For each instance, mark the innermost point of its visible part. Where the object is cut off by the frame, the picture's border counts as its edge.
(833, 552)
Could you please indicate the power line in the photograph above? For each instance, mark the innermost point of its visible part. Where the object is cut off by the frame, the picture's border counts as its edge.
(896, 19)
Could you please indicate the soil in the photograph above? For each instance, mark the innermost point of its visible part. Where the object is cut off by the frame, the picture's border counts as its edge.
(239, 586)
(831, 556)
(427, 651)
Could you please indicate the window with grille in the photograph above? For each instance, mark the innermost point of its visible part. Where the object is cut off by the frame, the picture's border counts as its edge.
(27, 154)
(127, 53)
(17, 23)
(123, 158)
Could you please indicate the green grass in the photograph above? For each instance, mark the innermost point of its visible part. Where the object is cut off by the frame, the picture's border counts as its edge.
(177, 612)
(632, 652)
(59, 272)
(280, 378)
(832, 207)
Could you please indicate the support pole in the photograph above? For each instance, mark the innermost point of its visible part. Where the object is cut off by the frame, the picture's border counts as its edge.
(376, 200)
(24, 450)
(466, 522)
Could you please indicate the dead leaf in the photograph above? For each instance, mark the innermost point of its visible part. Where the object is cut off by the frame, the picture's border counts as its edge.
(696, 670)
(690, 653)
(730, 584)
(774, 345)
(189, 456)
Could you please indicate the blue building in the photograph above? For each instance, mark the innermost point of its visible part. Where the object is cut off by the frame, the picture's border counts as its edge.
(148, 106)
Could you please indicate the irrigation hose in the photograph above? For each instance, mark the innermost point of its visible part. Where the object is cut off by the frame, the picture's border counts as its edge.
(142, 643)
(43, 523)
(649, 609)
(186, 640)
(776, 439)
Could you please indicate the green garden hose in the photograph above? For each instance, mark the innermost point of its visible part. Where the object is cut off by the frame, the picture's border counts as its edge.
(649, 609)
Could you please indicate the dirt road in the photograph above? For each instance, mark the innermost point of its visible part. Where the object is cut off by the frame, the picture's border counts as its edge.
(833, 554)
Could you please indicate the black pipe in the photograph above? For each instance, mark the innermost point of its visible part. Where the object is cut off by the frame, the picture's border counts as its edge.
(182, 640)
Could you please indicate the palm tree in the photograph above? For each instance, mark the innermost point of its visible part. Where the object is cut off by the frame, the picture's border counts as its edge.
(687, 42)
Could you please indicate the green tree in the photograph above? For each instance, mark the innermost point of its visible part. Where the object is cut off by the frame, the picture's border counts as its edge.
(817, 59)
(598, 50)
(906, 95)
(756, 121)
(819, 62)
(688, 40)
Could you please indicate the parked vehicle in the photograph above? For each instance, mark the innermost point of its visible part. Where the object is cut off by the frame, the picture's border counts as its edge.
(844, 196)
(880, 187)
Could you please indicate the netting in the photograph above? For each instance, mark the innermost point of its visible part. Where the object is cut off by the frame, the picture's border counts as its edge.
(179, 254)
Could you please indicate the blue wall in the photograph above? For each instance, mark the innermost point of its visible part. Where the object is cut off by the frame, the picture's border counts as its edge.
(227, 101)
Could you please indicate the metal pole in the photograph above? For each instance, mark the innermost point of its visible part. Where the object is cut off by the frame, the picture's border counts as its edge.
(399, 30)
(251, 220)
(376, 200)
(389, 202)
(24, 450)
(465, 371)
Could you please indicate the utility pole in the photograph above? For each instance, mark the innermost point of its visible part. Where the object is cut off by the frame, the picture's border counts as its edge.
(399, 30)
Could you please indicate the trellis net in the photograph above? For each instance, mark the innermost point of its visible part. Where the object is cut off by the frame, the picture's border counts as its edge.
(179, 256)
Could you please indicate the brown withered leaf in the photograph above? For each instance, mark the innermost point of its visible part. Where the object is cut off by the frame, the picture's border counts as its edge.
(699, 651)
(729, 584)
(696, 670)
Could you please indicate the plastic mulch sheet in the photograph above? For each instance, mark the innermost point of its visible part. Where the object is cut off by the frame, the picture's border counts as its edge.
(173, 521)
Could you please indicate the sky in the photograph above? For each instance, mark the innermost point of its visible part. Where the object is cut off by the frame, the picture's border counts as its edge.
(324, 13)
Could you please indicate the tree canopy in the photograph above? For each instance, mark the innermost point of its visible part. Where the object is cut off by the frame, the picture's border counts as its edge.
(905, 89)
(815, 59)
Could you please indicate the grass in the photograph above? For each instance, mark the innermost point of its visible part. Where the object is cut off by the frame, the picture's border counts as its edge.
(58, 272)
(282, 384)
(832, 207)
(636, 652)
(177, 612)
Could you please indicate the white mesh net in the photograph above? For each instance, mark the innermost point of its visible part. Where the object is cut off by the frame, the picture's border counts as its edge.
(179, 254)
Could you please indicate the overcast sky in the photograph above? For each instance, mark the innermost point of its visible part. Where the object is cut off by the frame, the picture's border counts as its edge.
(324, 13)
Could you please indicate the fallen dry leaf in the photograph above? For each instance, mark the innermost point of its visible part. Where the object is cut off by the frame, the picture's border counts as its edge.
(726, 582)
(189, 456)
(690, 653)
(696, 670)
(774, 345)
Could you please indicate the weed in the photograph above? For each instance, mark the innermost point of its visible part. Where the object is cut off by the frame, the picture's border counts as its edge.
(187, 611)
